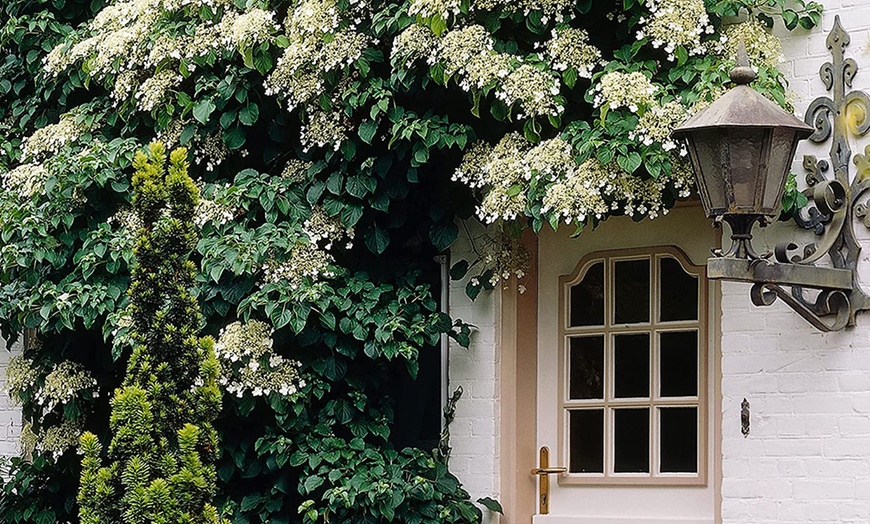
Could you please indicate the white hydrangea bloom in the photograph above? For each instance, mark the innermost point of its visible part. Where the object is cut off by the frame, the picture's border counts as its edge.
(618, 89)
(674, 23)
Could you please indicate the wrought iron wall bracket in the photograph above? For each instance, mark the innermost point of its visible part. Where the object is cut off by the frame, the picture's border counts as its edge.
(833, 207)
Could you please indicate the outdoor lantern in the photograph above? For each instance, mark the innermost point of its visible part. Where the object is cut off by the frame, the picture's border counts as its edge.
(741, 148)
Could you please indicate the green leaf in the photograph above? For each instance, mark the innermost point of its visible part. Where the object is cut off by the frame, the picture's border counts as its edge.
(311, 483)
(629, 163)
(377, 240)
(202, 110)
(235, 138)
(790, 18)
(491, 504)
(459, 270)
(367, 131)
(249, 114)
(443, 234)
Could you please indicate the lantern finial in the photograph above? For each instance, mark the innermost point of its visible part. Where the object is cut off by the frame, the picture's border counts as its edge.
(742, 74)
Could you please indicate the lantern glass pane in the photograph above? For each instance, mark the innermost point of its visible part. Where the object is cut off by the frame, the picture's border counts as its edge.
(705, 152)
(781, 153)
(746, 154)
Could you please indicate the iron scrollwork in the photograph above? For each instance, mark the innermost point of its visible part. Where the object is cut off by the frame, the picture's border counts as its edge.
(833, 198)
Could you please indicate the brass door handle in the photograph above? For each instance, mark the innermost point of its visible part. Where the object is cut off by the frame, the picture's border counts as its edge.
(548, 471)
(543, 472)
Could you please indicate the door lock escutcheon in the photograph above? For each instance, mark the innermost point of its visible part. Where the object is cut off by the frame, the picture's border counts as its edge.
(543, 472)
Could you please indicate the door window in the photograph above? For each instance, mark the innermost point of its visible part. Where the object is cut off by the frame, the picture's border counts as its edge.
(633, 378)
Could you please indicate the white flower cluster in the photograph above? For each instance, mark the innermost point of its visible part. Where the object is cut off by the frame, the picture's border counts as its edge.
(415, 42)
(682, 176)
(20, 377)
(67, 381)
(51, 138)
(210, 150)
(171, 134)
(122, 49)
(618, 89)
(533, 89)
(570, 47)
(658, 122)
(676, 23)
(306, 261)
(296, 170)
(56, 440)
(506, 170)
(762, 46)
(249, 29)
(212, 212)
(594, 189)
(459, 46)
(26, 180)
(579, 194)
(121, 321)
(153, 91)
(128, 224)
(324, 128)
(322, 227)
(250, 364)
(297, 78)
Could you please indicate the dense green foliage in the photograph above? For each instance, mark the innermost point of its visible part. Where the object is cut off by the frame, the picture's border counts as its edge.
(324, 155)
(163, 444)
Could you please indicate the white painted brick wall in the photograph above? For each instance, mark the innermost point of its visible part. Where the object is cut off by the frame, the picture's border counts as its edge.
(474, 432)
(807, 457)
(10, 415)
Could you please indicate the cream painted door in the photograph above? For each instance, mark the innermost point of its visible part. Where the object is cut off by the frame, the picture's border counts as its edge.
(626, 366)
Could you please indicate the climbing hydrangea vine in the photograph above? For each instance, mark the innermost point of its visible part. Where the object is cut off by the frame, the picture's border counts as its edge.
(334, 143)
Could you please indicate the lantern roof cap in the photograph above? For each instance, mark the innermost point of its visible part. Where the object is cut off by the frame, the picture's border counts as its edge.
(743, 106)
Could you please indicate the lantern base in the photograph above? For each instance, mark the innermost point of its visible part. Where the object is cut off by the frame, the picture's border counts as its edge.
(741, 237)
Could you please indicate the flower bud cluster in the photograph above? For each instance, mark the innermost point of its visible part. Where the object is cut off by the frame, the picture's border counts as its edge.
(533, 89)
(124, 49)
(459, 46)
(210, 151)
(506, 170)
(579, 194)
(552, 9)
(617, 89)
(414, 43)
(212, 212)
(676, 23)
(594, 189)
(570, 47)
(249, 29)
(249, 363)
(296, 170)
